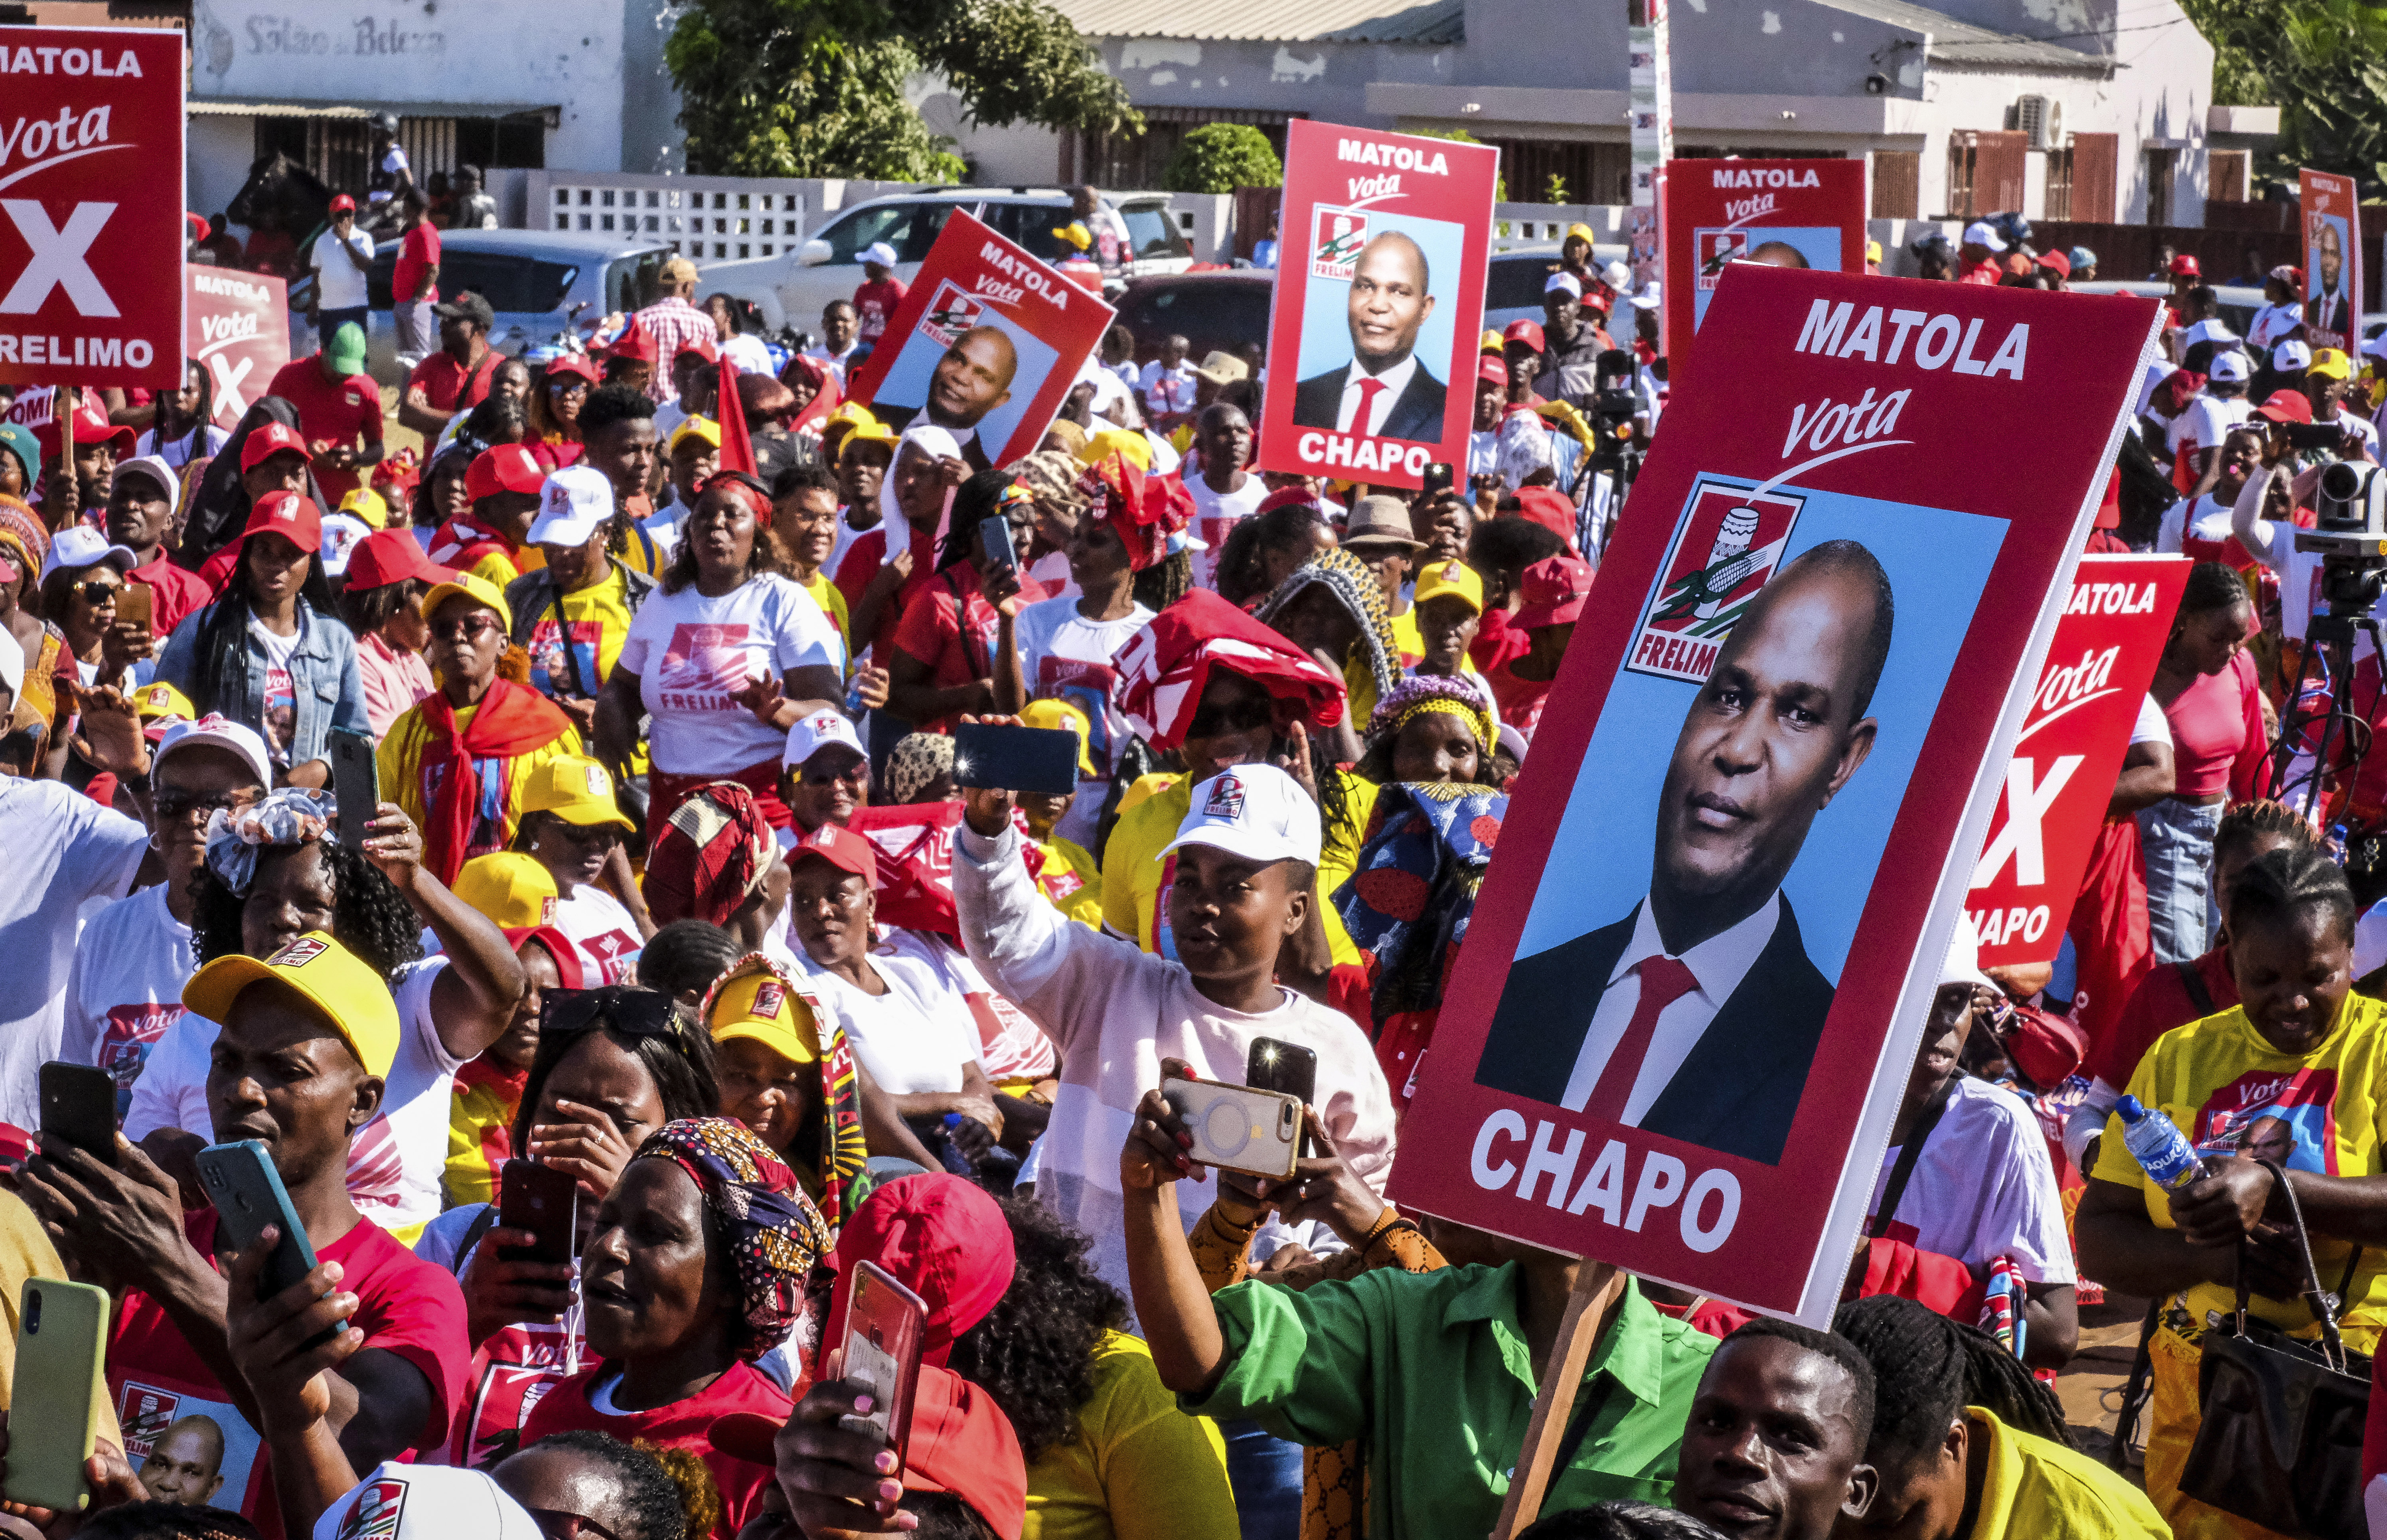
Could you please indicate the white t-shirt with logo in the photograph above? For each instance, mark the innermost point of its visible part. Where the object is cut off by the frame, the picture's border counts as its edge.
(2206, 423)
(1064, 656)
(691, 654)
(126, 987)
(280, 695)
(916, 1038)
(395, 1162)
(600, 929)
(340, 286)
(1983, 1188)
(1215, 513)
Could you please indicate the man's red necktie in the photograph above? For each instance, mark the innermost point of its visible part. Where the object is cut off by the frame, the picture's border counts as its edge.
(1370, 388)
(1663, 982)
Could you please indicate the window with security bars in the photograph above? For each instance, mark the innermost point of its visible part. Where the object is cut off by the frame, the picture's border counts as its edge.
(339, 150)
(716, 225)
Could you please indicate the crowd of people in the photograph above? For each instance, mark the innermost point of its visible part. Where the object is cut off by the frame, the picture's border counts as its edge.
(674, 888)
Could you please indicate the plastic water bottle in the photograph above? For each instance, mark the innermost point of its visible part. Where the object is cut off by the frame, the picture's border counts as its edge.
(2161, 1150)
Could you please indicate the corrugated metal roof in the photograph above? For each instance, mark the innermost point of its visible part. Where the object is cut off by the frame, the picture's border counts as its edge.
(292, 106)
(1962, 45)
(1271, 20)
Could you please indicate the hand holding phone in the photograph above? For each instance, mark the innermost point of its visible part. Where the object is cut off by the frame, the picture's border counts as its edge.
(545, 1201)
(995, 541)
(1237, 1129)
(135, 607)
(1003, 756)
(884, 1325)
(247, 1191)
(52, 1431)
(78, 1107)
(355, 785)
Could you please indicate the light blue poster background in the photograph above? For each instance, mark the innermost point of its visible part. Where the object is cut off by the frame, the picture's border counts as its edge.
(1819, 243)
(1326, 302)
(907, 379)
(1938, 563)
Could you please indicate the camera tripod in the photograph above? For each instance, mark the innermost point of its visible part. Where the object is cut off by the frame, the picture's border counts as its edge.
(2329, 648)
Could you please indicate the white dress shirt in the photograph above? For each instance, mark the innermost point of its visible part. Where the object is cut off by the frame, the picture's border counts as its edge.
(1719, 964)
(1396, 380)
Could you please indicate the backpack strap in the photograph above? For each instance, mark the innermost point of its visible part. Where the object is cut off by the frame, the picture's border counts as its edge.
(2193, 982)
(1910, 1152)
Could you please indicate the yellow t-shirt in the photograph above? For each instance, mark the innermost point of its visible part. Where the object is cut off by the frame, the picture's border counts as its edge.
(2033, 1488)
(2217, 1077)
(1152, 810)
(599, 619)
(832, 602)
(496, 569)
(1410, 640)
(1138, 1466)
(399, 761)
(1067, 859)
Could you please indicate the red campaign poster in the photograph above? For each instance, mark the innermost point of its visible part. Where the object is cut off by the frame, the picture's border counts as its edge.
(1379, 304)
(1699, 969)
(2076, 729)
(239, 329)
(90, 207)
(1787, 213)
(985, 344)
(2332, 223)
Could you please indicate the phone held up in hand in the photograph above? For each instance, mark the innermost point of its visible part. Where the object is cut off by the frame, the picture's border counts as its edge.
(61, 1345)
(884, 1325)
(1275, 1065)
(79, 1105)
(545, 1201)
(355, 785)
(1238, 1129)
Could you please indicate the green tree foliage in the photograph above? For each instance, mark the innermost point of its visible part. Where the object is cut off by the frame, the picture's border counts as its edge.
(815, 87)
(2324, 62)
(1219, 158)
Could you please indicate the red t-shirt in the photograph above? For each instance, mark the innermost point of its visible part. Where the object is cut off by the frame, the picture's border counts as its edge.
(2159, 1004)
(449, 386)
(862, 560)
(418, 251)
(406, 1306)
(875, 303)
(933, 627)
(2216, 733)
(682, 1425)
(330, 413)
(177, 594)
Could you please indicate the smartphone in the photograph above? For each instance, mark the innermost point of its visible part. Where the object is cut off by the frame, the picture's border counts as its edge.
(1016, 759)
(136, 606)
(355, 785)
(61, 1340)
(884, 1325)
(994, 538)
(79, 1105)
(1275, 1065)
(1239, 1129)
(1439, 478)
(248, 1193)
(545, 1201)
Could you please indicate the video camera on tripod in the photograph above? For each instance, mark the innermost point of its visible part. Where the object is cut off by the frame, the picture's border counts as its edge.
(1614, 406)
(2349, 534)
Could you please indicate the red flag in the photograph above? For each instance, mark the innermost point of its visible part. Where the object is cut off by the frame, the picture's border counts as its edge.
(737, 450)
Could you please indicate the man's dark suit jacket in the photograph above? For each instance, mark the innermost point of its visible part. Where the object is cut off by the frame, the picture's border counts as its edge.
(1740, 1087)
(1416, 415)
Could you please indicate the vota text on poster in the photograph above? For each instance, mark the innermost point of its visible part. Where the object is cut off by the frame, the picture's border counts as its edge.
(1379, 303)
(2332, 237)
(91, 206)
(1702, 963)
(1806, 214)
(239, 330)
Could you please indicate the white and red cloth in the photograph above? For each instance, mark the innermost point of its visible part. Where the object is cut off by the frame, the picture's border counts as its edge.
(1165, 668)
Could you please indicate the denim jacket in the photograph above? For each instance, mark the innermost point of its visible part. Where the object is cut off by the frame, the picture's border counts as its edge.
(324, 675)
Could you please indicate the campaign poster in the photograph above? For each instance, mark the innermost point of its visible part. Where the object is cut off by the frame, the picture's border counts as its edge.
(1379, 304)
(1807, 214)
(2332, 223)
(90, 207)
(2074, 735)
(985, 345)
(239, 328)
(1701, 966)
(187, 1448)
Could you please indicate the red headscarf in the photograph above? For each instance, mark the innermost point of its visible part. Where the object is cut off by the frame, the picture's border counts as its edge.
(2178, 388)
(1165, 668)
(513, 719)
(1144, 510)
(826, 397)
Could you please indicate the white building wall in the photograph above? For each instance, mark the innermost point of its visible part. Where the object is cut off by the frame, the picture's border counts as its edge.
(216, 161)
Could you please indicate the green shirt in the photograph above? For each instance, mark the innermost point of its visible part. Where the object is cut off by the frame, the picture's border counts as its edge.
(1432, 1371)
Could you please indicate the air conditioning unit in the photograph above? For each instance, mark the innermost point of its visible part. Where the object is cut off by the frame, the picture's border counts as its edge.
(2056, 138)
(2041, 120)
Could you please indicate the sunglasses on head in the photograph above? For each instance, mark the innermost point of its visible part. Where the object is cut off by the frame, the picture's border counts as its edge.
(618, 1007)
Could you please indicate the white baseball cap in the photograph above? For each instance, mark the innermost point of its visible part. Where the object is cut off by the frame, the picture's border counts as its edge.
(1617, 276)
(2230, 367)
(572, 504)
(214, 731)
(2374, 349)
(1254, 810)
(879, 253)
(2293, 354)
(155, 468)
(1566, 281)
(1964, 963)
(1515, 742)
(1651, 297)
(79, 546)
(2211, 329)
(12, 668)
(425, 1502)
(818, 731)
(1982, 232)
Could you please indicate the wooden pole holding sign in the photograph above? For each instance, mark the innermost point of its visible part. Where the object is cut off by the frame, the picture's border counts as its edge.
(1596, 1287)
(62, 413)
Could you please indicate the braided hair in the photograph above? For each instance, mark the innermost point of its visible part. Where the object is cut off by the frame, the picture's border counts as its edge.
(2211, 586)
(644, 1489)
(685, 956)
(1927, 1369)
(2255, 820)
(1034, 1352)
(370, 916)
(1165, 582)
(2281, 884)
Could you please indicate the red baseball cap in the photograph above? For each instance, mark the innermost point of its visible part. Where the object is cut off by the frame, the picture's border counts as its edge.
(2184, 266)
(90, 426)
(271, 439)
(1492, 368)
(290, 516)
(574, 365)
(1548, 507)
(1554, 590)
(1595, 297)
(841, 848)
(2286, 406)
(2056, 262)
(392, 556)
(1528, 331)
(635, 342)
(702, 347)
(342, 203)
(506, 468)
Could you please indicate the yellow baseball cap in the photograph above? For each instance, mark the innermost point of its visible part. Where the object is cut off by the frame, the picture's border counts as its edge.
(368, 505)
(766, 1007)
(1060, 714)
(352, 997)
(576, 789)
(511, 889)
(2330, 363)
(162, 702)
(1075, 234)
(1450, 580)
(855, 413)
(1493, 343)
(1110, 441)
(703, 428)
(871, 431)
(479, 589)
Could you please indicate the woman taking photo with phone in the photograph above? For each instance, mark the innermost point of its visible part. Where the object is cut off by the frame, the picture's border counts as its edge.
(954, 649)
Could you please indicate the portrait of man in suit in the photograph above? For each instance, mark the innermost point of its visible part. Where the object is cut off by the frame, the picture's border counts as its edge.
(1386, 391)
(1697, 1014)
(2325, 311)
(972, 380)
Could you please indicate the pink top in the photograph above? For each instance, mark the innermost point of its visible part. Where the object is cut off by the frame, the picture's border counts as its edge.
(2216, 735)
(394, 681)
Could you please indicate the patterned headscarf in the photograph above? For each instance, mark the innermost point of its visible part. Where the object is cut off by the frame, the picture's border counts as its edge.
(843, 1154)
(1356, 588)
(1051, 477)
(773, 1232)
(714, 852)
(20, 529)
(917, 759)
(1165, 668)
(293, 815)
(1524, 447)
(1144, 510)
(1419, 694)
(1409, 900)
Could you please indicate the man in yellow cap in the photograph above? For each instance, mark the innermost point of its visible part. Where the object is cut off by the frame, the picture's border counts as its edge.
(308, 1035)
(1448, 606)
(2326, 383)
(690, 456)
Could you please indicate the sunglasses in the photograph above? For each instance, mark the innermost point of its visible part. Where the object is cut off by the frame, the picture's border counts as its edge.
(585, 835)
(469, 628)
(170, 805)
(572, 387)
(617, 1007)
(97, 592)
(1245, 716)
